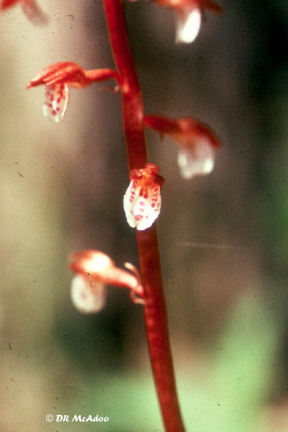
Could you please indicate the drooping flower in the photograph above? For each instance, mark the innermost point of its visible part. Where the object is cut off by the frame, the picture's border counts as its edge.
(196, 140)
(29, 7)
(94, 270)
(142, 200)
(58, 78)
(188, 16)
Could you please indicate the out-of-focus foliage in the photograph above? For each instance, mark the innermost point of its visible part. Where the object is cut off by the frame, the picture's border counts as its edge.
(224, 391)
(238, 380)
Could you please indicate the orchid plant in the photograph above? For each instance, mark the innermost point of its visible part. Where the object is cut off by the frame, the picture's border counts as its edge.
(94, 270)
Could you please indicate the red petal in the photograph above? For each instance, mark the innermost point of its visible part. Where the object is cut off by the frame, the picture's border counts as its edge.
(184, 130)
(98, 267)
(6, 4)
(60, 73)
(72, 74)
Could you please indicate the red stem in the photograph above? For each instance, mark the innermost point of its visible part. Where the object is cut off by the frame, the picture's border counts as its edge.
(147, 241)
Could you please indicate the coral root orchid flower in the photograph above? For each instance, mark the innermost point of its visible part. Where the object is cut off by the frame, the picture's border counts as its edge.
(142, 200)
(188, 16)
(93, 271)
(197, 143)
(58, 78)
(29, 7)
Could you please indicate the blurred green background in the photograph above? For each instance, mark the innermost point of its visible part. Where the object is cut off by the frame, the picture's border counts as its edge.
(224, 237)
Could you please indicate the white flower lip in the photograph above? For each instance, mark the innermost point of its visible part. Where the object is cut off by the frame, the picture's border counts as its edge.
(56, 102)
(88, 297)
(188, 25)
(141, 211)
(197, 160)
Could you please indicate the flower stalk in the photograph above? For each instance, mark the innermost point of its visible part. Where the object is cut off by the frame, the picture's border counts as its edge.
(147, 240)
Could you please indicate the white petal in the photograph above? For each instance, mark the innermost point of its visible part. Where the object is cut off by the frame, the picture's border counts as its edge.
(56, 101)
(87, 297)
(141, 211)
(187, 25)
(198, 160)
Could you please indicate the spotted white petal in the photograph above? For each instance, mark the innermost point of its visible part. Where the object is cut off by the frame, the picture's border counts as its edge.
(197, 160)
(56, 101)
(187, 25)
(141, 209)
(88, 297)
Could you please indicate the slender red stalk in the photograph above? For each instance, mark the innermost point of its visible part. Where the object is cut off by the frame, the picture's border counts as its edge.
(147, 241)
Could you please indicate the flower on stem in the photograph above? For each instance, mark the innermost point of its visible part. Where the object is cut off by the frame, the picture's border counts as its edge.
(188, 16)
(58, 78)
(29, 7)
(142, 200)
(196, 140)
(94, 270)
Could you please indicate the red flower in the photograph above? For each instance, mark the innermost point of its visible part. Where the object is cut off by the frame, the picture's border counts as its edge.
(188, 16)
(94, 270)
(142, 200)
(197, 143)
(58, 78)
(29, 7)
